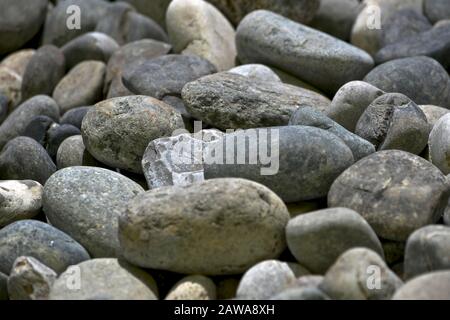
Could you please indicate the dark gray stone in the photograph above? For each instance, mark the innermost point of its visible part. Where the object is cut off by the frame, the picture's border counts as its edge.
(41, 241)
(72, 152)
(3, 287)
(395, 191)
(38, 127)
(57, 134)
(4, 101)
(75, 116)
(430, 286)
(436, 10)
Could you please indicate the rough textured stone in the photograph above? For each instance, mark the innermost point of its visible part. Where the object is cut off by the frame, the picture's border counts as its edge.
(105, 279)
(318, 238)
(430, 286)
(313, 56)
(75, 116)
(216, 227)
(256, 72)
(39, 240)
(82, 86)
(316, 156)
(197, 27)
(436, 10)
(395, 191)
(30, 280)
(72, 152)
(19, 200)
(231, 101)
(265, 280)
(433, 113)
(193, 288)
(308, 116)
(117, 131)
(352, 277)
(85, 202)
(439, 144)
(427, 81)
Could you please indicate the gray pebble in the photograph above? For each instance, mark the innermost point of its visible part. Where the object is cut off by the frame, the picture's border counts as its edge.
(436, 10)
(193, 288)
(72, 152)
(439, 144)
(75, 116)
(433, 113)
(430, 286)
(56, 135)
(301, 294)
(256, 72)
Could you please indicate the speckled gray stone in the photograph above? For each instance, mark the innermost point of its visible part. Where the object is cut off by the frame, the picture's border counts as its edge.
(117, 131)
(301, 162)
(315, 57)
(258, 72)
(193, 288)
(354, 277)
(215, 227)
(39, 240)
(308, 116)
(318, 238)
(428, 82)
(231, 101)
(85, 202)
(430, 286)
(439, 144)
(395, 191)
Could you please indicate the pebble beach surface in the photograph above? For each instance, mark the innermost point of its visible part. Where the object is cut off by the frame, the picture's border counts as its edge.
(209, 149)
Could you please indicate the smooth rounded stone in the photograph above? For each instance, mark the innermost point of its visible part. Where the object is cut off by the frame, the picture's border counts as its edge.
(395, 191)
(403, 24)
(306, 281)
(23, 158)
(231, 101)
(41, 241)
(394, 251)
(215, 227)
(165, 75)
(101, 279)
(436, 10)
(72, 152)
(85, 202)
(298, 269)
(336, 17)
(38, 127)
(360, 274)
(196, 27)
(193, 288)
(19, 200)
(393, 121)
(226, 288)
(155, 9)
(300, 294)
(433, 113)
(117, 131)
(439, 144)
(301, 10)
(30, 279)
(317, 239)
(10, 86)
(177, 160)
(75, 116)
(428, 82)
(17, 121)
(315, 57)
(430, 286)
(45, 69)
(90, 46)
(427, 250)
(57, 134)
(308, 116)
(3, 287)
(303, 161)
(3, 107)
(265, 280)
(20, 22)
(82, 86)
(130, 54)
(18, 61)
(256, 72)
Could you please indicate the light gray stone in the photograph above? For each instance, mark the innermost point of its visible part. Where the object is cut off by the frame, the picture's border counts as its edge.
(430, 286)
(193, 288)
(439, 144)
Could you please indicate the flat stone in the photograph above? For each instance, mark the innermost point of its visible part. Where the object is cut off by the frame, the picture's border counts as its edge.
(430, 286)
(439, 144)
(193, 288)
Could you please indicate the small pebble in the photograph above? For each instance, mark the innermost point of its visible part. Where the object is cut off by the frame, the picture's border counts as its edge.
(430, 286)
(439, 144)
(193, 288)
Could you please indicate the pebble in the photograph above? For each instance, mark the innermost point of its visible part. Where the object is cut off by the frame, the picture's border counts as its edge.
(23, 158)
(436, 10)
(427, 250)
(105, 279)
(430, 286)
(315, 57)
(197, 27)
(354, 276)
(17, 121)
(257, 72)
(395, 191)
(265, 280)
(30, 279)
(3, 287)
(316, 156)
(10, 86)
(89, 46)
(41, 241)
(18, 61)
(165, 75)
(193, 288)
(393, 121)
(433, 113)
(85, 202)
(439, 144)
(301, 294)
(226, 289)
(75, 116)
(45, 69)
(117, 131)
(231, 101)
(20, 22)
(308, 116)
(82, 86)
(215, 227)
(428, 82)
(318, 238)
(38, 127)
(57, 134)
(155, 9)
(19, 200)
(72, 152)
